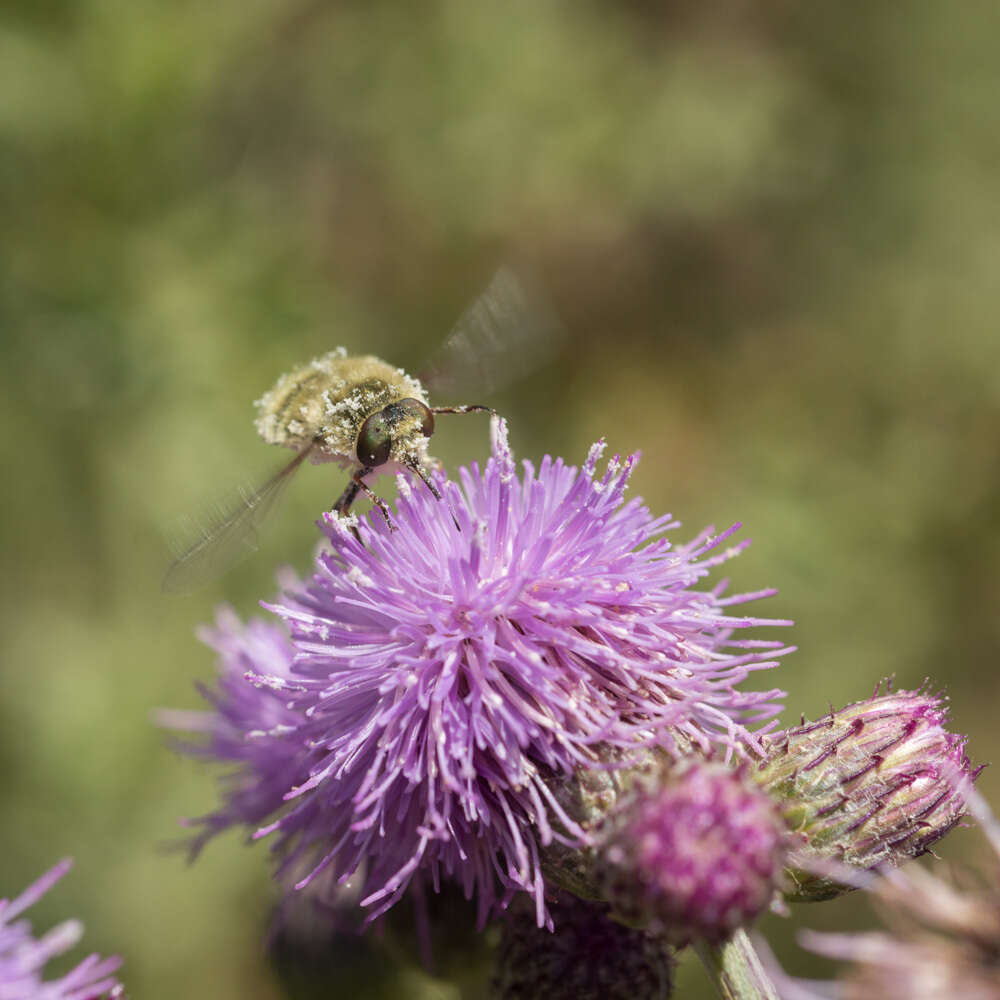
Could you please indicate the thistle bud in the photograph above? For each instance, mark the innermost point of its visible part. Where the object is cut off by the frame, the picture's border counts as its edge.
(692, 852)
(940, 933)
(871, 784)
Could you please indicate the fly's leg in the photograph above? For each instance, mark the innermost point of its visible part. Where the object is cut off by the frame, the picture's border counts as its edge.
(472, 408)
(375, 499)
(358, 485)
(414, 467)
(468, 408)
(350, 494)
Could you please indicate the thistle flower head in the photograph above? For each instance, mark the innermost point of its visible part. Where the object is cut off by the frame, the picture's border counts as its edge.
(252, 724)
(23, 957)
(693, 852)
(434, 677)
(870, 784)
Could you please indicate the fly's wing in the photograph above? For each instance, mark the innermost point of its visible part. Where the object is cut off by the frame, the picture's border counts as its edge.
(228, 534)
(508, 332)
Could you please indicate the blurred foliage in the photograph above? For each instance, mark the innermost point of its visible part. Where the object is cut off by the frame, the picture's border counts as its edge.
(771, 230)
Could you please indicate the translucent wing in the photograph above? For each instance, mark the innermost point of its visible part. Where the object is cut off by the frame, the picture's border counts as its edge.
(228, 534)
(509, 331)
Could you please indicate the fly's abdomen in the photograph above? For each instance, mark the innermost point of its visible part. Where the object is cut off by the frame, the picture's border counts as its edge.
(324, 403)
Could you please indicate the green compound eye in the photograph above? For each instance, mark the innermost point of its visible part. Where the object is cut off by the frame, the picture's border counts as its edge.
(375, 440)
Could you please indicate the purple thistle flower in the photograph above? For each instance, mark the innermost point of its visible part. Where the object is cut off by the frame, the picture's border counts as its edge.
(437, 675)
(693, 852)
(253, 725)
(23, 957)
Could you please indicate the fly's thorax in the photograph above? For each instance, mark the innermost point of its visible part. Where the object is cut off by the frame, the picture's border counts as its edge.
(326, 401)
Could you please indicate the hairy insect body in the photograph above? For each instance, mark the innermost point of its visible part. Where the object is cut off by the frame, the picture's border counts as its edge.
(323, 404)
(371, 417)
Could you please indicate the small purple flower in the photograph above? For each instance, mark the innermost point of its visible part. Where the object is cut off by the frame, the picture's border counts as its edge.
(23, 957)
(437, 676)
(693, 852)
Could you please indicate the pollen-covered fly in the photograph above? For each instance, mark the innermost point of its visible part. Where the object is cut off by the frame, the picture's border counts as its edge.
(364, 414)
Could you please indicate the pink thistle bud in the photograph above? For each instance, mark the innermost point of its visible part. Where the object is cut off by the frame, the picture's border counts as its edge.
(940, 934)
(694, 852)
(870, 784)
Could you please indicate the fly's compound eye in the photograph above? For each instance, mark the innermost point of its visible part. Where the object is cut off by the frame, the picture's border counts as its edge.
(414, 408)
(375, 440)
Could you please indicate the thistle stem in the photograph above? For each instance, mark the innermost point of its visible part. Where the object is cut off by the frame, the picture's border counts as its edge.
(736, 969)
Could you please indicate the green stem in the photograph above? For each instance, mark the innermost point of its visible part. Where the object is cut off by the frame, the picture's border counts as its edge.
(736, 969)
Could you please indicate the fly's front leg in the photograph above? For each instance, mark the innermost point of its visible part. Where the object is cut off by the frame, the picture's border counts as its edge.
(354, 487)
(468, 408)
(472, 408)
(357, 484)
(344, 501)
(350, 494)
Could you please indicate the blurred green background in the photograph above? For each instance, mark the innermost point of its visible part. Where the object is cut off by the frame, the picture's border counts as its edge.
(773, 233)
